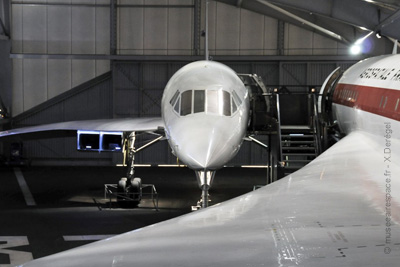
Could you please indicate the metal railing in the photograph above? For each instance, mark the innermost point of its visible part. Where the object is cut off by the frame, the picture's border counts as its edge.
(316, 124)
(279, 126)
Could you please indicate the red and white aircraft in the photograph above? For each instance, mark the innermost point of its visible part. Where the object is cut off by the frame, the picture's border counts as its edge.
(342, 209)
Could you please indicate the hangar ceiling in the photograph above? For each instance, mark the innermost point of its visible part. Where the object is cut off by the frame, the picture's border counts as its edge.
(341, 20)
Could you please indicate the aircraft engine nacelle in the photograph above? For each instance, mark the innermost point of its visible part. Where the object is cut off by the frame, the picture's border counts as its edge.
(99, 141)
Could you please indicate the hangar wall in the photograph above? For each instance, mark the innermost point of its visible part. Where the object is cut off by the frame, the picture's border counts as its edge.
(83, 27)
(52, 29)
(43, 85)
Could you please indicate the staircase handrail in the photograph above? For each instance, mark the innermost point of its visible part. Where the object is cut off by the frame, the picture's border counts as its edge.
(278, 115)
(317, 130)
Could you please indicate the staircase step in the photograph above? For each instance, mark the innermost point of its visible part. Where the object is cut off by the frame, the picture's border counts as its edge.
(297, 136)
(298, 161)
(295, 127)
(295, 142)
(298, 148)
(299, 154)
(293, 167)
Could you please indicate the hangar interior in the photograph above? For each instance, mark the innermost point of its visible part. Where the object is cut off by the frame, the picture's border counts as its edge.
(68, 60)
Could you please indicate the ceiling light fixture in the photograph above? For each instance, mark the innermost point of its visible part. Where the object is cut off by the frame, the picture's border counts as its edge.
(356, 48)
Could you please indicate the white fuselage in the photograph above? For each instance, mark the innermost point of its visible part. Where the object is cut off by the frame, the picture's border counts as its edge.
(205, 108)
(366, 100)
(368, 95)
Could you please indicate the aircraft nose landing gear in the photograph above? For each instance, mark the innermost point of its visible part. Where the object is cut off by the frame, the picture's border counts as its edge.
(129, 189)
(204, 179)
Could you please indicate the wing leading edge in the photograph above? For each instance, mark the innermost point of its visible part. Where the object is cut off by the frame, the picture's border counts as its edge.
(333, 212)
(120, 125)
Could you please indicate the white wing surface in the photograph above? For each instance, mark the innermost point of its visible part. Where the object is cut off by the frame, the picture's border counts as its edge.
(336, 211)
(119, 125)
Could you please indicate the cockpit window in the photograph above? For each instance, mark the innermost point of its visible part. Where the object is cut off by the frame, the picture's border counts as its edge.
(218, 102)
(236, 98)
(199, 101)
(177, 105)
(226, 100)
(174, 98)
(212, 101)
(234, 107)
(186, 103)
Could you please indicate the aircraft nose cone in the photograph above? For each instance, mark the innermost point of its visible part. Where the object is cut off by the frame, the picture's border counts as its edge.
(208, 150)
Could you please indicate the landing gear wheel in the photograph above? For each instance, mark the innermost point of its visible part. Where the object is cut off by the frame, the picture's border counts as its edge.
(135, 190)
(121, 189)
(129, 192)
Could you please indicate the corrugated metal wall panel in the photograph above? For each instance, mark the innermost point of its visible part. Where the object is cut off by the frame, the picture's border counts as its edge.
(174, 67)
(89, 101)
(292, 74)
(298, 41)
(56, 30)
(180, 29)
(235, 31)
(155, 77)
(251, 153)
(59, 77)
(126, 84)
(155, 31)
(345, 65)
(60, 149)
(82, 102)
(269, 72)
(18, 87)
(35, 87)
(158, 153)
(227, 34)
(53, 113)
(151, 102)
(239, 67)
(59, 30)
(317, 72)
(251, 35)
(243, 156)
(130, 37)
(270, 32)
(324, 46)
(34, 25)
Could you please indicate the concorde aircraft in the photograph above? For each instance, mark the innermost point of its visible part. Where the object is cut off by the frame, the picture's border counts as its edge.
(205, 111)
(342, 209)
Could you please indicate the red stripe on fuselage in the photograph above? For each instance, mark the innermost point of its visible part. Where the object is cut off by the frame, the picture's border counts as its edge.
(380, 101)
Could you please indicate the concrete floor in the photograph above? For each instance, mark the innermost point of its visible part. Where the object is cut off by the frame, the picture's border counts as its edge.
(69, 204)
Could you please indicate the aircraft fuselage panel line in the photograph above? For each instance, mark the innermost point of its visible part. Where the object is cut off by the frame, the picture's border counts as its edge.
(30, 201)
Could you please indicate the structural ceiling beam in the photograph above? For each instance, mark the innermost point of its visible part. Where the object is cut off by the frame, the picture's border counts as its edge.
(186, 58)
(373, 15)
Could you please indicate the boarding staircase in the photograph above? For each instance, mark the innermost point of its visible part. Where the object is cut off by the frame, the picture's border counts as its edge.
(300, 143)
(290, 120)
(299, 146)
